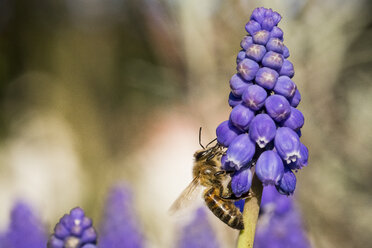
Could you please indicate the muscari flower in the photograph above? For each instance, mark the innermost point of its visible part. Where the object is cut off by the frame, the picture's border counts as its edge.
(198, 233)
(264, 126)
(118, 226)
(74, 230)
(25, 229)
(279, 224)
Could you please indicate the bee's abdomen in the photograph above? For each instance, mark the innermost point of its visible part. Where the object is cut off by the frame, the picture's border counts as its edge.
(224, 210)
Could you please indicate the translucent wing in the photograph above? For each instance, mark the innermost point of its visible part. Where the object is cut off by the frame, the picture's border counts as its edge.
(187, 196)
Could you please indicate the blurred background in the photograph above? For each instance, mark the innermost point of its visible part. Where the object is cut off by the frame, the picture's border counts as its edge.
(98, 92)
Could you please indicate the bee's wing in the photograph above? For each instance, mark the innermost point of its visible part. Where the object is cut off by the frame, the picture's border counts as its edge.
(187, 196)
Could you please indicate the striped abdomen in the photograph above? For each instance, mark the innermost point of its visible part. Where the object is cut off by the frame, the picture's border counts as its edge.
(224, 210)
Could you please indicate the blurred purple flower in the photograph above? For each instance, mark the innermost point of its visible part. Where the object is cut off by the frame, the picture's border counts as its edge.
(198, 233)
(280, 224)
(74, 230)
(25, 229)
(119, 227)
(264, 127)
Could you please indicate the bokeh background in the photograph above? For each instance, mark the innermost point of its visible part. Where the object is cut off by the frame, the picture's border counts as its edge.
(98, 92)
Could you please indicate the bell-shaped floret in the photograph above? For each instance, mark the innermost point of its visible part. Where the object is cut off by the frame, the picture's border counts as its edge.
(295, 120)
(241, 116)
(296, 99)
(302, 161)
(241, 181)
(276, 32)
(277, 107)
(275, 45)
(255, 52)
(273, 60)
(241, 56)
(287, 69)
(287, 184)
(259, 14)
(238, 85)
(252, 27)
(254, 97)
(287, 144)
(246, 41)
(269, 168)
(226, 132)
(261, 37)
(248, 68)
(262, 130)
(285, 52)
(240, 151)
(234, 100)
(285, 86)
(266, 78)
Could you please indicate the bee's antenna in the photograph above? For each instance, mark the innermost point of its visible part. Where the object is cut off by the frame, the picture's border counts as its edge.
(211, 142)
(200, 138)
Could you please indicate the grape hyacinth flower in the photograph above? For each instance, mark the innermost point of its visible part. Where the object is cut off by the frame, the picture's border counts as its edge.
(74, 230)
(262, 134)
(280, 224)
(198, 233)
(25, 229)
(119, 226)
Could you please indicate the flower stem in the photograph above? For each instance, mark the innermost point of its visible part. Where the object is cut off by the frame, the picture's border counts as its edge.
(250, 215)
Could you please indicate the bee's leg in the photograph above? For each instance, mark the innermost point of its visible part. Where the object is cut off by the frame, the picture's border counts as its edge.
(232, 197)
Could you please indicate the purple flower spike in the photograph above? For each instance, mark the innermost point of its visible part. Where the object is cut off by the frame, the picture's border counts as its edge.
(255, 52)
(258, 14)
(234, 100)
(287, 144)
(238, 85)
(295, 120)
(241, 181)
(246, 41)
(277, 107)
(287, 69)
(285, 87)
(277, 33)
(285, 52)
(304, 153)
(73, 230)
(119, 227)
(241, 116)
(254, 97)
(261, 37)
(269, 168)
(196, 234)
(266, 78)
(296, 99)
(268, 23)
(248, 68)
(273, 60)
(241, 56)
(287, 184)
(226, 132)
(275, 45)
(252, 27)
(240, 151)
(262, 130)
(25, 229)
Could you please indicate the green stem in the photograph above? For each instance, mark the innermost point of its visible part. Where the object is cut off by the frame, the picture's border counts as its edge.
(250, 215)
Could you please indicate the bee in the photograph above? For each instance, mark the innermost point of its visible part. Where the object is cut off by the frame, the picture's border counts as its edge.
(218, 195)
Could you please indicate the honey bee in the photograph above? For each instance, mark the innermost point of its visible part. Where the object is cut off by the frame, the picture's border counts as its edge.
(218, 195)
